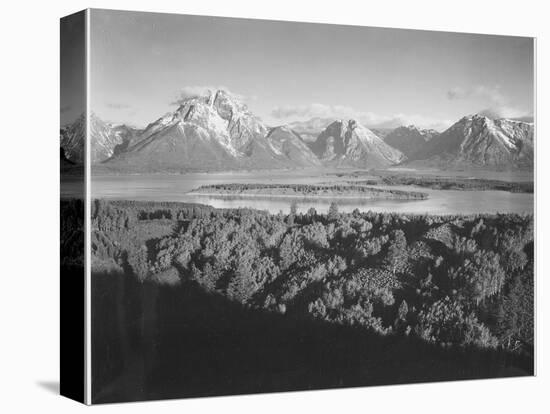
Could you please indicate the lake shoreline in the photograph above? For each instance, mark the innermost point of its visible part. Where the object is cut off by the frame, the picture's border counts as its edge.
(159, 187)
(308, 191)
(298, 196)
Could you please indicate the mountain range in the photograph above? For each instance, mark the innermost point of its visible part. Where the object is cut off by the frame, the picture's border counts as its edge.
(216, 131)
(409, 139)
(310, 129)
(479, 141)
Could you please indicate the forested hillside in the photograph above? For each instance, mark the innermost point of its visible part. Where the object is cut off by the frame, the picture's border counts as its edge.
(438, 289)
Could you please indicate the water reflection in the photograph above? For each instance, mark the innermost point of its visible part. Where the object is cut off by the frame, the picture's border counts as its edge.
(447, 202)
(162, 187)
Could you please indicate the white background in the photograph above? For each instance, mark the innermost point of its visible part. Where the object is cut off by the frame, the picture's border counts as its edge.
(29, 156)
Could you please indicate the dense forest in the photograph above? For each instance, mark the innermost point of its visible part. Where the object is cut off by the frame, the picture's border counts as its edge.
(439, 183)
(455, 183)
(367, 298)
(310, 190)
(71, 232)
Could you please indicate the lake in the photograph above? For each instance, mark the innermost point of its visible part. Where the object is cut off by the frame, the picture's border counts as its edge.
(173, 187)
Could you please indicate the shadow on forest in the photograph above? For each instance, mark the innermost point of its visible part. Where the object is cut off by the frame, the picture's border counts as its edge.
(152, 342)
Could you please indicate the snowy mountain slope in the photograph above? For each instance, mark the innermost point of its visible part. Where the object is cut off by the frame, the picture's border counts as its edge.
(106, 139)
(214, 131)
(409, 139)
(481, 142)
(347, 143)
(286, 142)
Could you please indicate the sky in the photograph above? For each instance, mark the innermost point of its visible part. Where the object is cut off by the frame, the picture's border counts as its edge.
(143, 63)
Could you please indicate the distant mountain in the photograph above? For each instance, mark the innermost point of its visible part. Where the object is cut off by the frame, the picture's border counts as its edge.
(212, 132)
(106, 139)
(72, 140)
(286, 142)
(478, 141)
(127, 135)
(309, 130)
(429, 134)
(348, 143)
(409, 139)
(382, 132)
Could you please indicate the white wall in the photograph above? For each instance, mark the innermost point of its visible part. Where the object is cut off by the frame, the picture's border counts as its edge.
(29, 328)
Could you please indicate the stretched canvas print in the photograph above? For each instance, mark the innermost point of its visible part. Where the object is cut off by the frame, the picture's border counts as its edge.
(252, 206)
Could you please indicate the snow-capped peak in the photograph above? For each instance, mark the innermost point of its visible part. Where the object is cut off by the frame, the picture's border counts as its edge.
(347, 142)
(482, 141)
(217, 115)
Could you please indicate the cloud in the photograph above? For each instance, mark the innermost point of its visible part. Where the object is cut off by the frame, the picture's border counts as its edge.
(413, 119)
(369, 119)
(497, 104)
(118, 105)
(311, 111)
(504, 111)
(65, 108)
(317, 110)
(526, 118)
(189, 92)
(490, 93)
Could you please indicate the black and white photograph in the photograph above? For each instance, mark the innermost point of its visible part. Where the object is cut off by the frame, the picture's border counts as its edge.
(281, 206)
